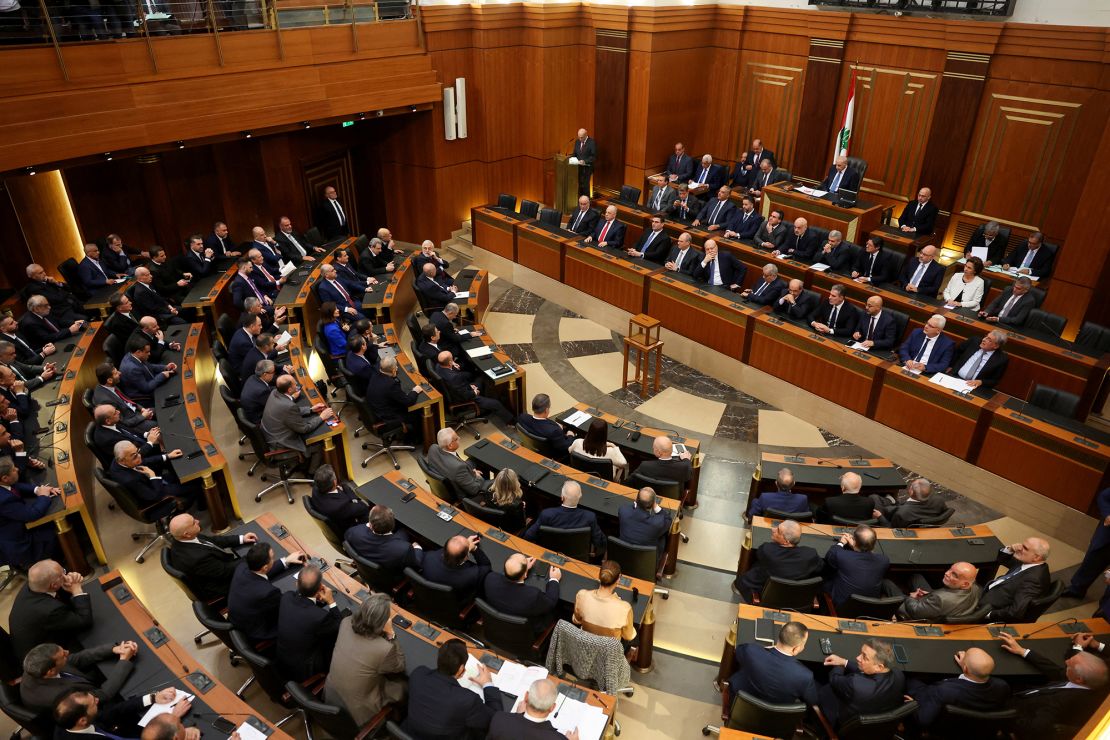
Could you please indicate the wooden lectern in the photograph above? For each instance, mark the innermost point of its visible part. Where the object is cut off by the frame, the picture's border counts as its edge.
(566, 183)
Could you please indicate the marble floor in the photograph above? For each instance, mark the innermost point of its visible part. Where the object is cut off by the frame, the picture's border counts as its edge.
(574, 360)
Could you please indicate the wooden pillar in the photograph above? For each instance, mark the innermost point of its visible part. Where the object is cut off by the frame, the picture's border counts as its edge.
(812, 148)
(46, 216)
(610, 96)
(160, 210)
(961, 88)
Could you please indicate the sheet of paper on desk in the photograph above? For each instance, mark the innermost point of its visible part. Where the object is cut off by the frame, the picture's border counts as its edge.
(480, 351)
(463, 294)
(571, 713)
(284, 339)
(578, 418)
(513, 678)
(247, 732)
(286, 268)
(814, 192)
(951, 382)
(860, 346)
(980, 252)
(819, 266)
(469, 674)
(156, 709)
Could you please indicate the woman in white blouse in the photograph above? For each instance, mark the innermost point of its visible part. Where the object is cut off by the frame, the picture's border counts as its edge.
(597, 444)
(965, 289)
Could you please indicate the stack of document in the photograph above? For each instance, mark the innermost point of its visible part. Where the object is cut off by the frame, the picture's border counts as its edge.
(156, 709)
(813, 191)
(463, 294)
(514, 678)
(482, 351)
(577, 419)
(861, 346)
(286, 268)
(819, 266)
(952, 382)
(570, 714)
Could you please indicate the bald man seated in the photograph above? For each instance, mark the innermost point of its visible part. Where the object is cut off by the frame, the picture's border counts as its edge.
(667, 465)
(958, 597)
(975, 688)
(510, 593)
(169, 727)
(782, 557)
(208, 561)
(1009, 596)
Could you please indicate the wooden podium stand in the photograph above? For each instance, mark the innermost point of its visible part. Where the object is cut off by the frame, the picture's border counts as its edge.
(566, 183)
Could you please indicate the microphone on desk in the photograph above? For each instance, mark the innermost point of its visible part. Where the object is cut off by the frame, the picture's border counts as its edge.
(834, 627)
(971, 627)
(1025, 401)
(59, 401)
(1027, 635)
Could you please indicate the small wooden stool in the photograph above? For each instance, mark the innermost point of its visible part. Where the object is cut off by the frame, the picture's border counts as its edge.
(643, 336)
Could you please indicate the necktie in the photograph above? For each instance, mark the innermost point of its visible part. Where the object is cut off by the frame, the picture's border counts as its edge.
(766, 178)
(659, 199)
(832, 317)
(100, 268)
(701, 178)
(17, 338)
(684, 209)
(294, 242)
(917, 274)
(678, 259)
(133, 438)
(1048, 687)
(342, 292)
(604, 231)
(1009, 304)
(50, 324)
(1002, 579)
(146, 369)
(760, 288)
(871, 264)
(339, 212)
(836, 182)
(223, 244)
(969, 372)
(921, 352)
(17, 373)
(716, 210)
(871, 327)
(1028, 258)
(577, 220)
(651, 235)
(254, 287)
(267, 274)
(130, 404)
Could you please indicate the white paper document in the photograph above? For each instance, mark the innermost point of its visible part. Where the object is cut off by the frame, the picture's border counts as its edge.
(483, 351)
(952, 382)
(286, 268)
(577, 419)
(514, 678)
(813, 191)
(156, 709)
(860, 346)
(571, 713)
(819, 266)
(980, 252)
(468, 676)
(284, 339)
(463, 294)
(247, 732)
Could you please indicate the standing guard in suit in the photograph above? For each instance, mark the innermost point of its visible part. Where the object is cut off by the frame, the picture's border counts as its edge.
(796, 304)
(208, 560)
(1010, 595)
(875, 329)
(1097, 557)
(981, 363)
(585, 151)
(653, 245)
(917, 218)
(253, 600)
(331, 218)
(782, 557)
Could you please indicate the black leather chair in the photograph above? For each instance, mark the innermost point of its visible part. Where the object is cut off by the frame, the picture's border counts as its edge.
(783, 593)
(534, 443)
(10, 666)
(488, 514)
(1037, 607)
(529, 208)
(72, 277)
(599, 466)
(901, 321)
(854, 522)
(759, 717)
(629, 194)
(440, 487)
(663, 488)
(437, 602)
(377, 579)
(860, 166)
(1038, 297)
(395, 731)
(279, 459)
(638, 561)
(935, 521)
(181, 578)
(504, 200)
(225, 327)
(976, 617)
(157, 513)
(390, 434)
(855, 251)
(459, 413)
(573, 543)
(822, 235)
(412, 321)
(956, 721)
(511, 634)
(798, 516)
(871, 607)
(1045, 321)
(1093, 338)
(874, 726)
(551, 216)
(1054, 400)
(268, 675)
(114, 348)
(230, 376)
(232, 404)
(105, 460)
(781, 174)
(331, 718)
(39, 725)
(314, 237)
(335, 539)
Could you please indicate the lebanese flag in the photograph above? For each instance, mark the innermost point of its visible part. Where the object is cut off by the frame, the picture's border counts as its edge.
(844, 138)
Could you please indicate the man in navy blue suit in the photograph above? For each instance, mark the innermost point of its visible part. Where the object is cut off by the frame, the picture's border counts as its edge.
(433, 291)
(835, 253)
(712, 175)
(609, 232)
(268, 248)
(1031, 258)
(720, 268)
(379, 542)
(253, 601)
(144, 484)
(451, 566)
(510, 593)
(331, 288)
(645, 522)
(568, 516)
(784, 499)
(768, 290)
(927, 350)
(975, 688)
(461, 385)
(874, 265)
(745, 221)
(268, 279)
(869, 684)
(801, 244)
(441, 705)
(773, 673)
(138, 377)
(243, 287)
(875, 329)
(94, 273)
(197, 259)
(856, 567)
(680, 165)
(782, 557)
(718, 213)
(242, 339)
(583, 218)
(220, 242)
(21, 503)
(1097, 557)
(917, 218)
(840, 176)
(538, 425)
(922, 274)
(361, 362)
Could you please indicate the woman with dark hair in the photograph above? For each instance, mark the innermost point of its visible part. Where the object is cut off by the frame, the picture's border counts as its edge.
(596, 444)
(367, 666)
(333, 329)
(965, 289)
(602, 612)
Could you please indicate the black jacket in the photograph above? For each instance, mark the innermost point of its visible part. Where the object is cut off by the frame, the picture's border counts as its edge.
(1010, 599)
(440, 709)
(253, 602)
(37, 618)
(209, 567)
(306, 633)
(772, 559)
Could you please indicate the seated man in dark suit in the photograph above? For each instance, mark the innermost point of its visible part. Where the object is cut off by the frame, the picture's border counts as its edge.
(990, 240)
(265, 244)
(134, 416)
(95, 274)
(342, 508)
(9, 331)
(745, 222)
(220, 242)
(253, 601)
(854, 566)
(449, 337)
(51, 607)
(768, 290)
(568, 516)
(981, 363)
(917, 218)
(293, 245)
(801, 244)
(531, 724)
(875, 329)
(782, 557)
(67, 306)
(660, 197)
(389, 401)
(379, 541)
(50, 671)
(783, 499)
(539, 425)
(685, 207)
(840, 176)
(197, 260)
(711, 175)
(376, 261)
(460, 475)
(434, 293)
(1031, 258)
(21, 503)
(307, 626)
(1010, 595)
(243, 285)
(680, 165)
(169, 278)
(450, 566)
(975, 688)
(719, 268)
(345, 294)
(149, 331)
(80, 714)
(264, 349)
(345, 268)
(361, 362)
(138, 376)
(875, 265)
(772, 233)
(741, 176)
(870, 684)
(1079, 686)
(796, 303)
(609, 232)
(146, 485)
(684, 257)
(440, 708)
(767, 175)
(108, 431)
(923, 274)
(268, 280)
(149, 302)
(427, 254)
(209, 561)
(717, 213)
(461, 387)
(644, 522)
(849, 504)
(834, 253)
(430, 347)
(654, 245)
(242, 339)
(256, 390)
(927, 350)
(920, 505)
(32, 376)
(835, 316)
(666, 465)
(772, 672)
(583, 219)
(509, 593)
(40, 327)
(1012, 307)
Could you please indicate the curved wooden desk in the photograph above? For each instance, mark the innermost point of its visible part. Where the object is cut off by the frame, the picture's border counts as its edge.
(211, 296)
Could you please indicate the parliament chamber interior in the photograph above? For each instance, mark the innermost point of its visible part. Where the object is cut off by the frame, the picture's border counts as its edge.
(440, 370)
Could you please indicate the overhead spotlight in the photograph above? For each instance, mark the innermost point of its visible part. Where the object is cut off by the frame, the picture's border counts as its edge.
(306, 124)
(108, 156)
(30, 171)
(412, 108)
(362, 116)
(181, 145)
(381, 113)
(247, 134)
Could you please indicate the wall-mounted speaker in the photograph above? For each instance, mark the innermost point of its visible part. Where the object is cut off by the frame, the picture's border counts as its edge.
(460, 105)
(449, 125)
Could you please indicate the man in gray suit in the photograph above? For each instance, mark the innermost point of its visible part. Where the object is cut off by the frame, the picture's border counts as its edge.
(958, 597)
(1013, 306)
(920, 505)
(286, 423)
(461, 474)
